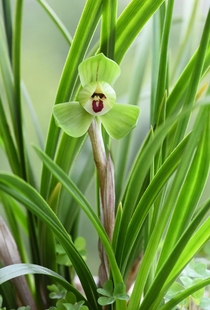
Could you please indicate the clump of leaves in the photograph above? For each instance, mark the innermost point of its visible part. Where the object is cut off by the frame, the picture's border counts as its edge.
(4, 308)
(56, 291)
(111, 293)
(194, 273)
(67, 300)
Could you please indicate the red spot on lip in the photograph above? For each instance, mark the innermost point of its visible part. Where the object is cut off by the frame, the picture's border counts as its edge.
(97, 105)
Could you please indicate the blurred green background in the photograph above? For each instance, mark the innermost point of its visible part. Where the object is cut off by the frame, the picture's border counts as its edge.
(44, 51)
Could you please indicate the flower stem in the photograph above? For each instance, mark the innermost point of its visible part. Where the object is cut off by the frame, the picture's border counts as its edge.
(105, 171)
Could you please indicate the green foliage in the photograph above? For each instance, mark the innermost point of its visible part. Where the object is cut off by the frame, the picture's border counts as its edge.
(193, 274)
(63, 259)
(19, 308)
(67, 302)
(112, 293)
(151, 212)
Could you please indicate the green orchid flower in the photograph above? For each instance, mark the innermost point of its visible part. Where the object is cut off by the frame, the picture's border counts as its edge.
(97, 99)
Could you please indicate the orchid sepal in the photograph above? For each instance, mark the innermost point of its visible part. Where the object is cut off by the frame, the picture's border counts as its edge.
(98, 68)
(72, 118)
(120, 120)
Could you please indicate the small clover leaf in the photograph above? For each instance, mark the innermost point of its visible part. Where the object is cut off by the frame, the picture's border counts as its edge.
(57, 291)
(67, 300)
(69, 303)
(103, 301)
(97, 99)
(111, 293)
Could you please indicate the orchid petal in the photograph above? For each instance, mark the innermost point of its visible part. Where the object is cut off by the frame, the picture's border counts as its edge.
(98, 68)
(120, 120)
(72, 118)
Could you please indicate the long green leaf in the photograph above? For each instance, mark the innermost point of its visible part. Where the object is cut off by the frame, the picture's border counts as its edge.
(6, 72)
(167, 208)
(16, 219)
(16, 64)
(149, 197)
(136, 85)
(189, 194)
(195, 78)
(8, 24)
(163, 279)
(79, 197)
(183, 295)
(163, 67)
(13, 271)
(67, 152)
(157, 28)
(9, 145)
(108, 28)
(173, 101)
(31, 199)
(130, 23)
(138, 174)
(187, 36)
(56, 20)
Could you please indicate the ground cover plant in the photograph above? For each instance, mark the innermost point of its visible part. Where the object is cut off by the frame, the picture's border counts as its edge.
(151, 207)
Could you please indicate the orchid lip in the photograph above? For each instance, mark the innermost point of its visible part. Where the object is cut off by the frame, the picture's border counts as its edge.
(97, 98)
(97, 103)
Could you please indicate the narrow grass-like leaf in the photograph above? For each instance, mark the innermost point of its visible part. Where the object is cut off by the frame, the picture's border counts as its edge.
(149, 197)
(79, 197)
(108, 28)
(173, 100)
(199, 238)
(138, 174)
(195, 78)
(9, 145)
(67, 203)
(17, 220)
(8, 24)
(163, 68)
(167, 208)
(187, 32)
(136, 84)
(117, 227)
(189, 194)
(163, 279)
(56, 20)
(13, 271)
(33, 115)
(16, 63)
(6, 73)
(184, 294)
(130, 23)
(70, 147)
(157, 28)
(30, 198)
